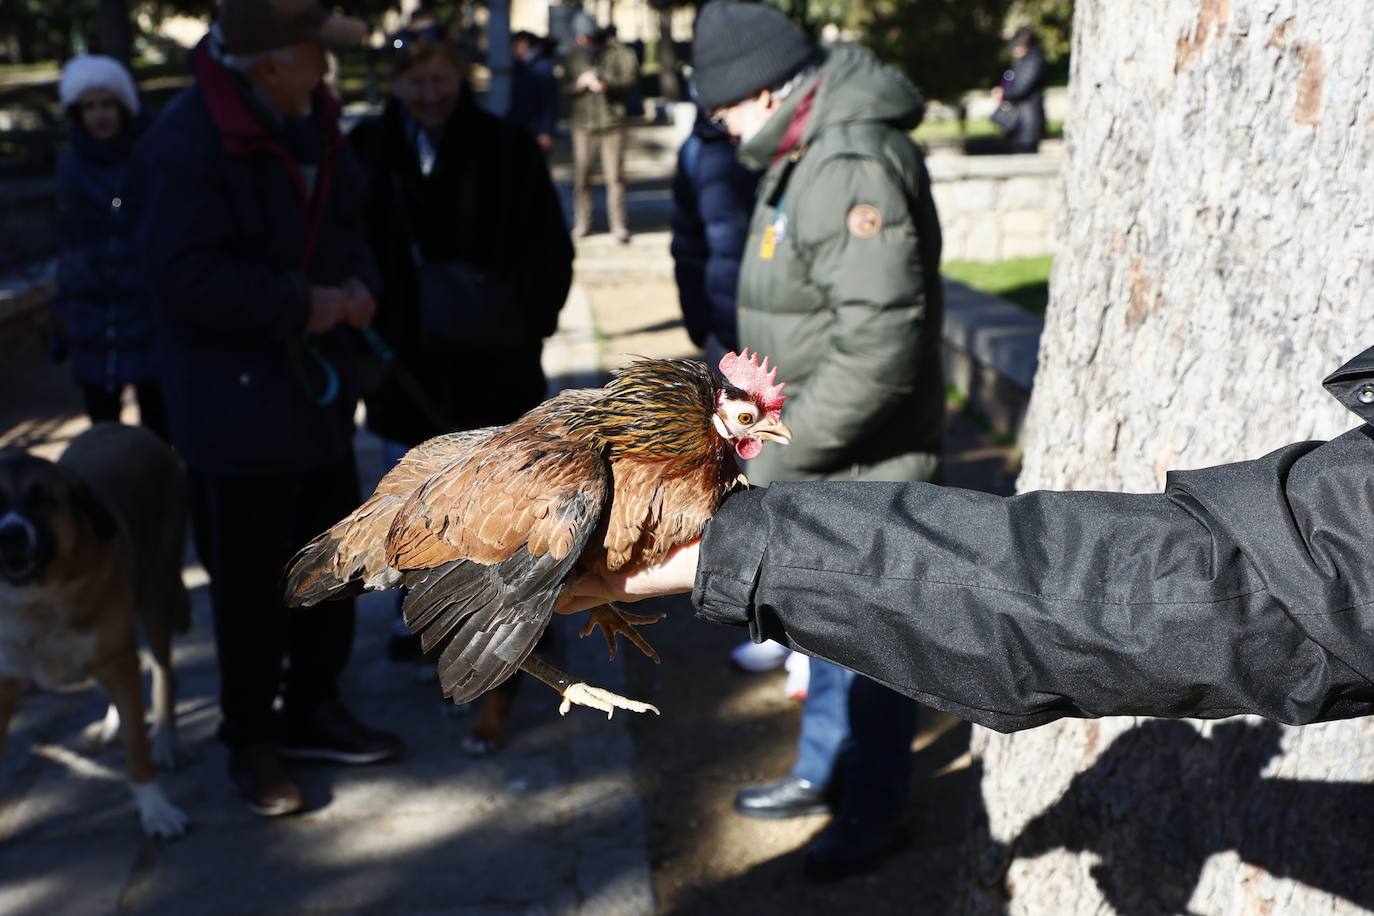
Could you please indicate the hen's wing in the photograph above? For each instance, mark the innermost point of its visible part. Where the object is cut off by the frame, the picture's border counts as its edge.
(350, 557)
(484, 547)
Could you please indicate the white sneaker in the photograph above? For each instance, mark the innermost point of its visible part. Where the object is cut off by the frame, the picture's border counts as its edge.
(798, 676)
(756, 657)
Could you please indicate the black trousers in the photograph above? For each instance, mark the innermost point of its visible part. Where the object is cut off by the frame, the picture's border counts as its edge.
(247, 527)
(104, 404)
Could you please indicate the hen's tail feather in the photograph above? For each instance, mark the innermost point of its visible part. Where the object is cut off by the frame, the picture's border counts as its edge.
(350, 557)
(346, 560)
(490, 614)
(310, 576)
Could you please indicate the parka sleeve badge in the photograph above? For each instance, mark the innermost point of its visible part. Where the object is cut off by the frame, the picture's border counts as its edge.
(864, 221)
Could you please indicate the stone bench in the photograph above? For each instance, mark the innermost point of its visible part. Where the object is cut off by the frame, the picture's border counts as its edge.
(996, 207)
(991, 351)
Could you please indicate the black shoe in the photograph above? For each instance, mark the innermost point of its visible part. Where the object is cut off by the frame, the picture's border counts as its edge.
(263, 781)
(786, 797)
(329, 732)
(851, 846)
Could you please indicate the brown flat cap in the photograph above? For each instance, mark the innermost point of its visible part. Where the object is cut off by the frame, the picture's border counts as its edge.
(252, 26)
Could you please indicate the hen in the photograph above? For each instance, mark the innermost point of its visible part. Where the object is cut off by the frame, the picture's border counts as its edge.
(484, 527)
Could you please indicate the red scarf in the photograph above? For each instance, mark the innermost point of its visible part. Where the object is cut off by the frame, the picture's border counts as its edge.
(797, 126)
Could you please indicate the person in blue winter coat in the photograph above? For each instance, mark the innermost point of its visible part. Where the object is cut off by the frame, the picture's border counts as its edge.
(534, 88)
(103, 307)
(713, 196)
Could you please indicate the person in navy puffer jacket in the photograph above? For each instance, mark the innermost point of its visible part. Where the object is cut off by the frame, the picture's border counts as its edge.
(103, 308)
(713, 196)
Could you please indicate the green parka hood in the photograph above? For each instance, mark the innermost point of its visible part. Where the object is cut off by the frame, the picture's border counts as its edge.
(857, 87)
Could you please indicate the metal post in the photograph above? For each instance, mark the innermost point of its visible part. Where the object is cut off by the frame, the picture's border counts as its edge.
(499, 59)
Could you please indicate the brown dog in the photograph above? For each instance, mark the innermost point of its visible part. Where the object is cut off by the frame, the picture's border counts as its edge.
(89, 546)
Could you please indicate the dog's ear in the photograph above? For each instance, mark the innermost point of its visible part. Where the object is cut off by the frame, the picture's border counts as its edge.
(87, 505)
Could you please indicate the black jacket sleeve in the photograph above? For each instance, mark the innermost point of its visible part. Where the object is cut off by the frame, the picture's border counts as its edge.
(1246, 588)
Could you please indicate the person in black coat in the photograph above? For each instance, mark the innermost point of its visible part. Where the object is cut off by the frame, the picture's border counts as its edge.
(1245, 588)
(103, 305)
(450, 183)
(713, 197)
(251, 224)
(1023, 90)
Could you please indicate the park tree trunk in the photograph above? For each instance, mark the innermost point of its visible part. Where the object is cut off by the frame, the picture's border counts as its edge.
(669, 84)
(1214, 261)
(116, 34)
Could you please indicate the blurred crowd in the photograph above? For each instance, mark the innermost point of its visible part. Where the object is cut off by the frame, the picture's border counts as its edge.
(253, 272)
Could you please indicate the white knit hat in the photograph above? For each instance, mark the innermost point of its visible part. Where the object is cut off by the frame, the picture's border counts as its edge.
(96, 71)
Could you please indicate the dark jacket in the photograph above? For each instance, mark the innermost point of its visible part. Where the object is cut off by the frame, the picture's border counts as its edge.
(1023, 86)
(713, 196)
(102, 298)
(534, 95)
(1244, 588)
(233, 241)
(488, 201)
(840, 283)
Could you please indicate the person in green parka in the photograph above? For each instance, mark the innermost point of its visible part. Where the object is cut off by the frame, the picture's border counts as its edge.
(840, 286)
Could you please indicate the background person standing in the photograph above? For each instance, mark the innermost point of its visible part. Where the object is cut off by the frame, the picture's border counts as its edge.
(598, 75)
(534, 88)
(1022, 92)
(451, 184)
(254, 238)
(104, 306)
(840, 285)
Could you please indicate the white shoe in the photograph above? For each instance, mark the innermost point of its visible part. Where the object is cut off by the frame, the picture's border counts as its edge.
(756, 657)
(798, 676)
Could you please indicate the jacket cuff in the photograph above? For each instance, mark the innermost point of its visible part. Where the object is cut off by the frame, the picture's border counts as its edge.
(731, 554)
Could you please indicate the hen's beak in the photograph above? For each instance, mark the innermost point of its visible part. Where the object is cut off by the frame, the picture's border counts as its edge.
(773, 431)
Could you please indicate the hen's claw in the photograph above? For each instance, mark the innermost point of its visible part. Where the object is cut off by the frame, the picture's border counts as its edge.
(612, 620)
(599, 698)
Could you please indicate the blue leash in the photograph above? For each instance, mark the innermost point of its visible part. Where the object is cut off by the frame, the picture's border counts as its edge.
(331, 375)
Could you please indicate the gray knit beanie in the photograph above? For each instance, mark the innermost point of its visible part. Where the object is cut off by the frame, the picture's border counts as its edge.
(741, 48)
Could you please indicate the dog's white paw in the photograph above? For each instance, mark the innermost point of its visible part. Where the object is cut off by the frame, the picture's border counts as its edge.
(157, 814)
(103, 733)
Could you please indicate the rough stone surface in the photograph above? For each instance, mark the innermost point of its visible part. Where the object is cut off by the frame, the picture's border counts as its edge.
(1213, 248)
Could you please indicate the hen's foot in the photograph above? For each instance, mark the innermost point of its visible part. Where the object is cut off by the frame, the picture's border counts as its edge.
(599, 698)
(613, 620)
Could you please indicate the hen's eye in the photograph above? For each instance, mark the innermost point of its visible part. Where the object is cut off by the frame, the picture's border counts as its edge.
(746, 418)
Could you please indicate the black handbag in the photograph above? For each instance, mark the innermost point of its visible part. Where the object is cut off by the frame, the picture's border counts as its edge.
(1006, 116)
(460, 303)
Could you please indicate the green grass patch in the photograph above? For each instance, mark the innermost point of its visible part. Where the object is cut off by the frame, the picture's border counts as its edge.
(1025, 281)
(973, 129)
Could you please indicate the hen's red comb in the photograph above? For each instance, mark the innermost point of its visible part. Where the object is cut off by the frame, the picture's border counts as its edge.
(744, 372)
